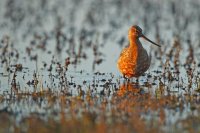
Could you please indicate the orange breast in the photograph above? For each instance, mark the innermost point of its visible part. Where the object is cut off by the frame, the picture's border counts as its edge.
(127, 62)
(133, 62)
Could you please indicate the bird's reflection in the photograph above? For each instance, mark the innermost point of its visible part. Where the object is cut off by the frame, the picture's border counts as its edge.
(130, 88)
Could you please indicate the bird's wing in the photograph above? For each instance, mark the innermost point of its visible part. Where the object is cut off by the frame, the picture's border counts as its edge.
(149, 57)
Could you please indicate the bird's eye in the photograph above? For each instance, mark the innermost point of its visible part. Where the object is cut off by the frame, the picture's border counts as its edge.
(136, 31)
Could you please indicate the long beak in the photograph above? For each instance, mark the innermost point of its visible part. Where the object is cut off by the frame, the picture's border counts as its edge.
(143, 36)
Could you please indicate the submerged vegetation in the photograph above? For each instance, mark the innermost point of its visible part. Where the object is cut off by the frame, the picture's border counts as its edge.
(58, 66)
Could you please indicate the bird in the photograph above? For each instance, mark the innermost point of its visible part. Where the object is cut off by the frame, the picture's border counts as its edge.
(134, 60)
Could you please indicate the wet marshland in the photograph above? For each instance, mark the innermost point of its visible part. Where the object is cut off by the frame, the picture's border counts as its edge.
(58, 66)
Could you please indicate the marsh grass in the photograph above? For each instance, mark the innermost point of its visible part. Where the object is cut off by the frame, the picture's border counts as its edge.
(56, 58)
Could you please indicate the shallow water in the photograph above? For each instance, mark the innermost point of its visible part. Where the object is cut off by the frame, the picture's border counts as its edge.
(40, 35)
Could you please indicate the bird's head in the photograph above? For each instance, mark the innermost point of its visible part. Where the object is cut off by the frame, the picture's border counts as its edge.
(135, 32)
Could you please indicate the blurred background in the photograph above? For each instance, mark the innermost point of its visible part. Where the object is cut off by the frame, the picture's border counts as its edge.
(53, 53)
(86, 37)
(45, 36)
(93, 32)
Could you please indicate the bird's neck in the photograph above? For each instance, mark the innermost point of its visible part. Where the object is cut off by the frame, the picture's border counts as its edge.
(134, 42)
